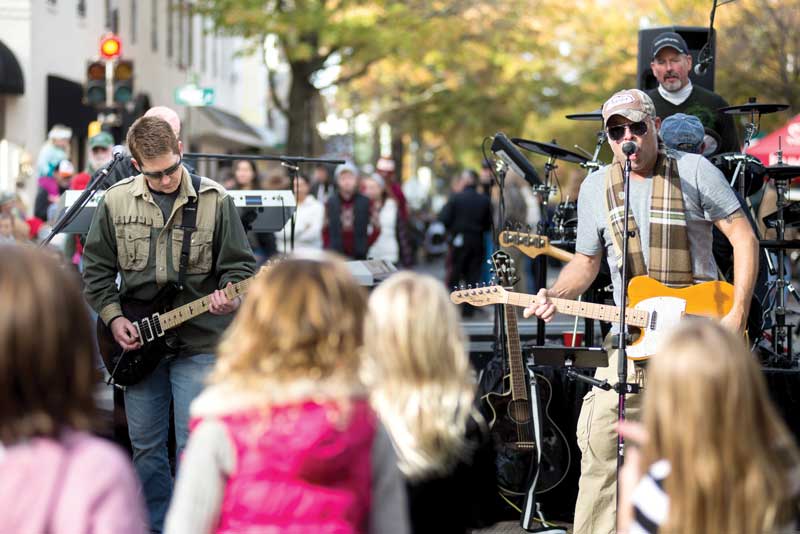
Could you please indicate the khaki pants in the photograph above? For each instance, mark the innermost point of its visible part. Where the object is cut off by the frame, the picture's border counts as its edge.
(595, 510)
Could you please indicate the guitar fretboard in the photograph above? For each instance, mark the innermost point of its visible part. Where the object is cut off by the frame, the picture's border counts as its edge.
(602, 312)
(515, 362)
(190, 310)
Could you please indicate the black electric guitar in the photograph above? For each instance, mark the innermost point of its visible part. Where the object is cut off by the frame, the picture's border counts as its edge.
(513, 428)
(152, 320)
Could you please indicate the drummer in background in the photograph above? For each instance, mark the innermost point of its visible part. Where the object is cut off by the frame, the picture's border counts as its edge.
(675, 93)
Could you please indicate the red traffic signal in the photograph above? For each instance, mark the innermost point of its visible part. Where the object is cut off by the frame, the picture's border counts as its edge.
(110, 46)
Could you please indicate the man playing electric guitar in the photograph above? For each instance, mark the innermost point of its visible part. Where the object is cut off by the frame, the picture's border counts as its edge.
(675, 200)
(138, 232)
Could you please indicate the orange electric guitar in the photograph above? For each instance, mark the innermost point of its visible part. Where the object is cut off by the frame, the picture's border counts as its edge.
(533, 245)
(654, 307)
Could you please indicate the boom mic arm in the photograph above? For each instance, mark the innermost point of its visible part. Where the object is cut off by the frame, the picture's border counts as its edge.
(505, 150)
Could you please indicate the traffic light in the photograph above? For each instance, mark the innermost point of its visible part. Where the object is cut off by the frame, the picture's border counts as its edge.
(123, 81)
(110, 46)
(109, 79)
(95, 92)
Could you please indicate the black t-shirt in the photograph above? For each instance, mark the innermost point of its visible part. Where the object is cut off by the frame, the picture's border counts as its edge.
(704, 105)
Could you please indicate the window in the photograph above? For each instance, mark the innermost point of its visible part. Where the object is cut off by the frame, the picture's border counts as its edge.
(190, 36)
(169, 31)
(134, 20)
(154, 25)
(181, 33)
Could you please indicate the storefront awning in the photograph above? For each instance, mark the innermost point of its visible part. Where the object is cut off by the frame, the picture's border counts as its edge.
(11, 81)
(213, 124)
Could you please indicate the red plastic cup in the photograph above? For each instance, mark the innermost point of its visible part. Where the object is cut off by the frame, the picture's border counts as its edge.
(567, 337)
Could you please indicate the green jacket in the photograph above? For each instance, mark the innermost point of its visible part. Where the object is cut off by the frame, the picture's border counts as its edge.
(129, 236)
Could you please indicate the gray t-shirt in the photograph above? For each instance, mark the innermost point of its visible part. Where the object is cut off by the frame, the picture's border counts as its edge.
(707, 198)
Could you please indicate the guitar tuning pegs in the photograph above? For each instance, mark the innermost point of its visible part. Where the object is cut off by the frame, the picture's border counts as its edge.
(469, 286)
(528, 228)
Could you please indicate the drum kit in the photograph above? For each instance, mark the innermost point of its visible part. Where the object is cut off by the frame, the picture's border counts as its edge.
(745, 173)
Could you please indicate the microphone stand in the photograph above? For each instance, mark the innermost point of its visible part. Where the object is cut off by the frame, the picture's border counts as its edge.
(98, 180)
(621, 341)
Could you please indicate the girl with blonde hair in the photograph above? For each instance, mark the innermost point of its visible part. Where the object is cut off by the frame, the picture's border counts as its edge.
(284, 439)
(717, 456)
(423, 389)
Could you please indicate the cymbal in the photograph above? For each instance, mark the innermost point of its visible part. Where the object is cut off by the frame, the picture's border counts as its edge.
(782, 172)
(595, 115)
(550, 149)
(750, 107)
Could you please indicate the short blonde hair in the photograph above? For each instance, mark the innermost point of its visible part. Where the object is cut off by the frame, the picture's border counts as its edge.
(417, 367)
(302, 319)
(707, 412)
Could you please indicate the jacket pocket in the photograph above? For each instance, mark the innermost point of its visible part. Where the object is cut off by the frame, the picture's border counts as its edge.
(200, 251)
(133, 246)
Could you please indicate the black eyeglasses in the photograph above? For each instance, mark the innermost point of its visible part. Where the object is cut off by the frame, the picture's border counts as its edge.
(618, 132)
(166, 172)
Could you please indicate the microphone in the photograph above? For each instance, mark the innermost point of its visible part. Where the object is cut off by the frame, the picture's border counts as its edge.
(118, 152)
(629, 148)
(505, 150)
(701, 68)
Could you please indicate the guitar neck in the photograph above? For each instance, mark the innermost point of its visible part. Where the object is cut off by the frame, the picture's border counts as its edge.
(515, 362)
(602, 312)
(190, 310)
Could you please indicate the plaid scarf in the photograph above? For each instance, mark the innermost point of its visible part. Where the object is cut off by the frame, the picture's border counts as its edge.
(670, 257)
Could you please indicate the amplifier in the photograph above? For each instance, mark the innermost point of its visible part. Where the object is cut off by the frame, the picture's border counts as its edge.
(260, 210)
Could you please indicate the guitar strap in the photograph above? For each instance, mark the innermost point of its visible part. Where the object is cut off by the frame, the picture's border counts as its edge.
(188, 225)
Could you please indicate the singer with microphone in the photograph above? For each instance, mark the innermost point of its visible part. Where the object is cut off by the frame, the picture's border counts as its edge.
(675, 200)
(676, 93)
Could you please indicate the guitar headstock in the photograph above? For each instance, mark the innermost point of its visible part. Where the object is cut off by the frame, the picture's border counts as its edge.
(480, 296)
(512, 238)
(504, 269)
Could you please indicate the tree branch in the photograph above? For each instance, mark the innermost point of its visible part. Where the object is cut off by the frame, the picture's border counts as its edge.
(342, 80)
(276, 101)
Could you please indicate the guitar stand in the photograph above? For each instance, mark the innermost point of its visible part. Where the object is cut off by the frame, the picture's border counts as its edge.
(552, 357)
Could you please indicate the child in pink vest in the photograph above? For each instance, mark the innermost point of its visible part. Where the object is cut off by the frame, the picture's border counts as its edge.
(55, 477)
(284, 440)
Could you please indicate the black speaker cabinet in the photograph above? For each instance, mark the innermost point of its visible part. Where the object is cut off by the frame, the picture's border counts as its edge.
(695, 37)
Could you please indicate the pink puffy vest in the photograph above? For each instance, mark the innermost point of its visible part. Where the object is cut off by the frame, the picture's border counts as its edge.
(300, 469)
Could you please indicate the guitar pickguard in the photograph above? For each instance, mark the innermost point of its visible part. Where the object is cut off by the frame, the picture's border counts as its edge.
(664, 313)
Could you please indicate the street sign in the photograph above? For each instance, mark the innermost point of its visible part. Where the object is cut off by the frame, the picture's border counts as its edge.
(194, 95)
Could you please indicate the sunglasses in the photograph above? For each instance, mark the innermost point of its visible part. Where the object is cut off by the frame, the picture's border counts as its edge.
(618, 132)
(166, 172)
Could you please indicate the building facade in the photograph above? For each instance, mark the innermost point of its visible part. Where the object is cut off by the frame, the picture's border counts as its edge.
(51, 42)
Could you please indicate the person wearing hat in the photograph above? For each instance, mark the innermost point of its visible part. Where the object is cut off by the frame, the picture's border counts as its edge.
(675, 200)
(351, 221)
(671, 65)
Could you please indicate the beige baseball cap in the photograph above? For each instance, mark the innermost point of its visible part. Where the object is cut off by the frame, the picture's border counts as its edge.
(632, 104)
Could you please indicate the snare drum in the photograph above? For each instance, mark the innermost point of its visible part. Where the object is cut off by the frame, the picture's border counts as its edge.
(565, 223)
(752, 171)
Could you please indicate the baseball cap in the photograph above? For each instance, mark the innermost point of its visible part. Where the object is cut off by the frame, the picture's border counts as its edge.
(65, 168)
(632, 104)
(346, 167)
(669, 40)
(683, 132)
(102, 139)
(385, 164)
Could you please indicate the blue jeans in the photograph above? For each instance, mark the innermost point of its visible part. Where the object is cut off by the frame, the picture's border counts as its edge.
(147, 408)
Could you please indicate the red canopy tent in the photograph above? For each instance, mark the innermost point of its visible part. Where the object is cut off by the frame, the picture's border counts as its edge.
(767, 147)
